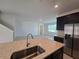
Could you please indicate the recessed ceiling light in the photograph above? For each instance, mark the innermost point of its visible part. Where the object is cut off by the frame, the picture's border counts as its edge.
(40, 19)
(56, 6)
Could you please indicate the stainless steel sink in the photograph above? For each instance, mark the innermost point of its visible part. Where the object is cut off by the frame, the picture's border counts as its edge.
(28, 53)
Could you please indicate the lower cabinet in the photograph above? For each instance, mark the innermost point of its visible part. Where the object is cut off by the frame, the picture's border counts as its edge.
(56, 55)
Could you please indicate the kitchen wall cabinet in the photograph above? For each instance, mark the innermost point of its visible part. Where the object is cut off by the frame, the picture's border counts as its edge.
(67, 19)
(72, 18)
(60, 23)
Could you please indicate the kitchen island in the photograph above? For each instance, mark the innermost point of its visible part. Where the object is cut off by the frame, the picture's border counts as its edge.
(53, 49)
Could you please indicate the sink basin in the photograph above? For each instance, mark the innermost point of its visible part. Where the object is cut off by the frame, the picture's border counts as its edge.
(28, 53)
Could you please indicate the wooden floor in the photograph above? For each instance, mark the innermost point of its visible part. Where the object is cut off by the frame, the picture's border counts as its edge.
(67, 57)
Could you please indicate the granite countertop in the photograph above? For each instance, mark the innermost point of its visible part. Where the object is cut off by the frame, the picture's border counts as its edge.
(48, 45)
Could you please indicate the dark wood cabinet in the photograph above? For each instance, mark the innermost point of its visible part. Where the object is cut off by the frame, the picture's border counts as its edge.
(56, 55)
(59, 39)
(67, 19)
(72, 18)
(60, 23)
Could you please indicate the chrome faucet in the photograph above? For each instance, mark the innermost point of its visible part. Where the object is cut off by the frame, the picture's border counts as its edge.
(28, 38)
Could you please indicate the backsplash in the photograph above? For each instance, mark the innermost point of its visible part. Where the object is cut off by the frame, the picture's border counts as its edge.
(60, 33)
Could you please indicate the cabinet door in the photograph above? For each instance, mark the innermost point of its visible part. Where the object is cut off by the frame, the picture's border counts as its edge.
(74, 17)
(60, 23)
(67, 19)
(56, 55)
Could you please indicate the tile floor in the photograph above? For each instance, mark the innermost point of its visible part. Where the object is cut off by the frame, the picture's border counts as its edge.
(67, 57)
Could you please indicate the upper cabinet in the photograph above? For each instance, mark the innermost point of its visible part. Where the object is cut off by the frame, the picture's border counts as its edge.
(60, 23)
(67, 19)
(72, 18)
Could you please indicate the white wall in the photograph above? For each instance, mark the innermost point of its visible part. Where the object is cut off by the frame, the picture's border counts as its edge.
(25, 27)
(30, 27)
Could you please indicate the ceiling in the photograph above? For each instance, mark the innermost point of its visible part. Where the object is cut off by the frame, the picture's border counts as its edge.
(38, 9)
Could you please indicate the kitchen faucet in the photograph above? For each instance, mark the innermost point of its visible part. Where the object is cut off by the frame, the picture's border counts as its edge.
(28, 38)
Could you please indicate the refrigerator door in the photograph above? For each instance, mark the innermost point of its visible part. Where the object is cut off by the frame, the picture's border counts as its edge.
(68, 31)
(76, 42)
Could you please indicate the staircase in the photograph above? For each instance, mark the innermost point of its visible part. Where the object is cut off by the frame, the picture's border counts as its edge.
(6, 34)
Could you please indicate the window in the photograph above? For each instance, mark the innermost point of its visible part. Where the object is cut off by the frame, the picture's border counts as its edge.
(52, 28)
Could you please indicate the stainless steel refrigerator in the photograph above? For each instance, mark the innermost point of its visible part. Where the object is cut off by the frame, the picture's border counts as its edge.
(71, 40)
